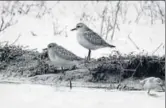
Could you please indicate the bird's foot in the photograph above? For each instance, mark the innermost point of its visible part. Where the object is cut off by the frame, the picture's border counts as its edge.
(87, 60)
(74, 67)
(63, 71)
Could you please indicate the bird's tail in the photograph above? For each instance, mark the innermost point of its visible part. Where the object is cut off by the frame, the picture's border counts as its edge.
(81, 63)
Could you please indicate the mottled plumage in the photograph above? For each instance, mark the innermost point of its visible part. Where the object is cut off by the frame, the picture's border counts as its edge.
(152, 83)
(90, 39)
(66, 54)
(95, 39)
(61, 56)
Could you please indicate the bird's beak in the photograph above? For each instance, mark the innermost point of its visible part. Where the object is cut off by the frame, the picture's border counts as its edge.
(73, 29)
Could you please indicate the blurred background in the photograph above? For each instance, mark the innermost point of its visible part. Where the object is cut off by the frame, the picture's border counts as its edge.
(132, 26)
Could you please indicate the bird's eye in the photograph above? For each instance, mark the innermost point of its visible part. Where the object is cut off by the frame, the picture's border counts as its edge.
(49, 46)
(78, 26)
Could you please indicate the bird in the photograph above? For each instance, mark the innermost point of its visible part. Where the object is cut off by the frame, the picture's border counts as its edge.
(152, 83)
(89, 39)
(61, 57)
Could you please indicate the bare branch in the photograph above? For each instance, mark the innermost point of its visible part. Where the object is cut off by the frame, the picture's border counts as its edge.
(102, 21)
(161, 13)
(2, 23)
(136, 68)
(139, 13)
(116, 17)
(157, 48)
(28, 9)
(109, 27)
(133, 41)
(7, 24)
(16, 39)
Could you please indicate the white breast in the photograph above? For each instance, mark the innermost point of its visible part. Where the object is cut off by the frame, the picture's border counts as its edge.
(85, 43)
(58, 61)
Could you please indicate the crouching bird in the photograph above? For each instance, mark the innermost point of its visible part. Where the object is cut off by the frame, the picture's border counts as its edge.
(62, 57)
(152, 83)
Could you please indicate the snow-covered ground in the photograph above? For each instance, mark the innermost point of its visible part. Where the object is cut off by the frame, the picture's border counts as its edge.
(147, 37)
(40, 96)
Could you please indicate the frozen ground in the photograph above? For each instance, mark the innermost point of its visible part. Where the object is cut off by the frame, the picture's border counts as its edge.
(39, 96)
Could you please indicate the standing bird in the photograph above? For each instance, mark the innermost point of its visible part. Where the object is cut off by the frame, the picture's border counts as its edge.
(61, 57)
(152, 83)
(89, 39)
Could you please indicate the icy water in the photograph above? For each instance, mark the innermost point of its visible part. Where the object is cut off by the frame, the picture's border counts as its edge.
(41, 96)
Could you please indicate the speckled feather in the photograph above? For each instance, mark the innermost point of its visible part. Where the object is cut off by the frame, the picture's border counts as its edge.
(94, 38)
(65, 54)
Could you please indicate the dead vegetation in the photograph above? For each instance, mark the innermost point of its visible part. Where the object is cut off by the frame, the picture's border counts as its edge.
(16, 61)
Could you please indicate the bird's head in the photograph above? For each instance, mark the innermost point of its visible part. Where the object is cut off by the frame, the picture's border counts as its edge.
(51, 45)
(80, 26)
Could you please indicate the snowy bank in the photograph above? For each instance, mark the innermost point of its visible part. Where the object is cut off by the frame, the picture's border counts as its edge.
(38, 96)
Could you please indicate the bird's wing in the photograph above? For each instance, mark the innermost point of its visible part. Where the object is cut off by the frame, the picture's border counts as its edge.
(94, 38)
(66, 54)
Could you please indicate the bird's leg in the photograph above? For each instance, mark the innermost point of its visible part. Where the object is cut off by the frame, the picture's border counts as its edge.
(148, 91)
(70, 81)
(89, 54)
(73, 67)
(63, 72)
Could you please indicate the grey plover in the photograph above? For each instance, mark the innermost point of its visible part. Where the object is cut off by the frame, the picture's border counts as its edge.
(152, 83)
(62, 57)
(89, 39)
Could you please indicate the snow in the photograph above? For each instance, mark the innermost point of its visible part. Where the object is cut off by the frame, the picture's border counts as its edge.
(147, 37)
(42, 96)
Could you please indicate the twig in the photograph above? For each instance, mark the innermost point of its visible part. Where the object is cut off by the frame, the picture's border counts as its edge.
(132, 70)
(123, 69)
(28, 10)
(133, 41)
(116, 17)
(136, 69)
(161, 13)
(103, 18)
(3, 26)
(16, 39)
(157, 48)
(2, 23)
(33, 33)
(139, 13)
(109, 27)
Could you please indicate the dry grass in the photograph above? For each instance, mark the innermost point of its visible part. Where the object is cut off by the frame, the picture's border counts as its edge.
(18, 62)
